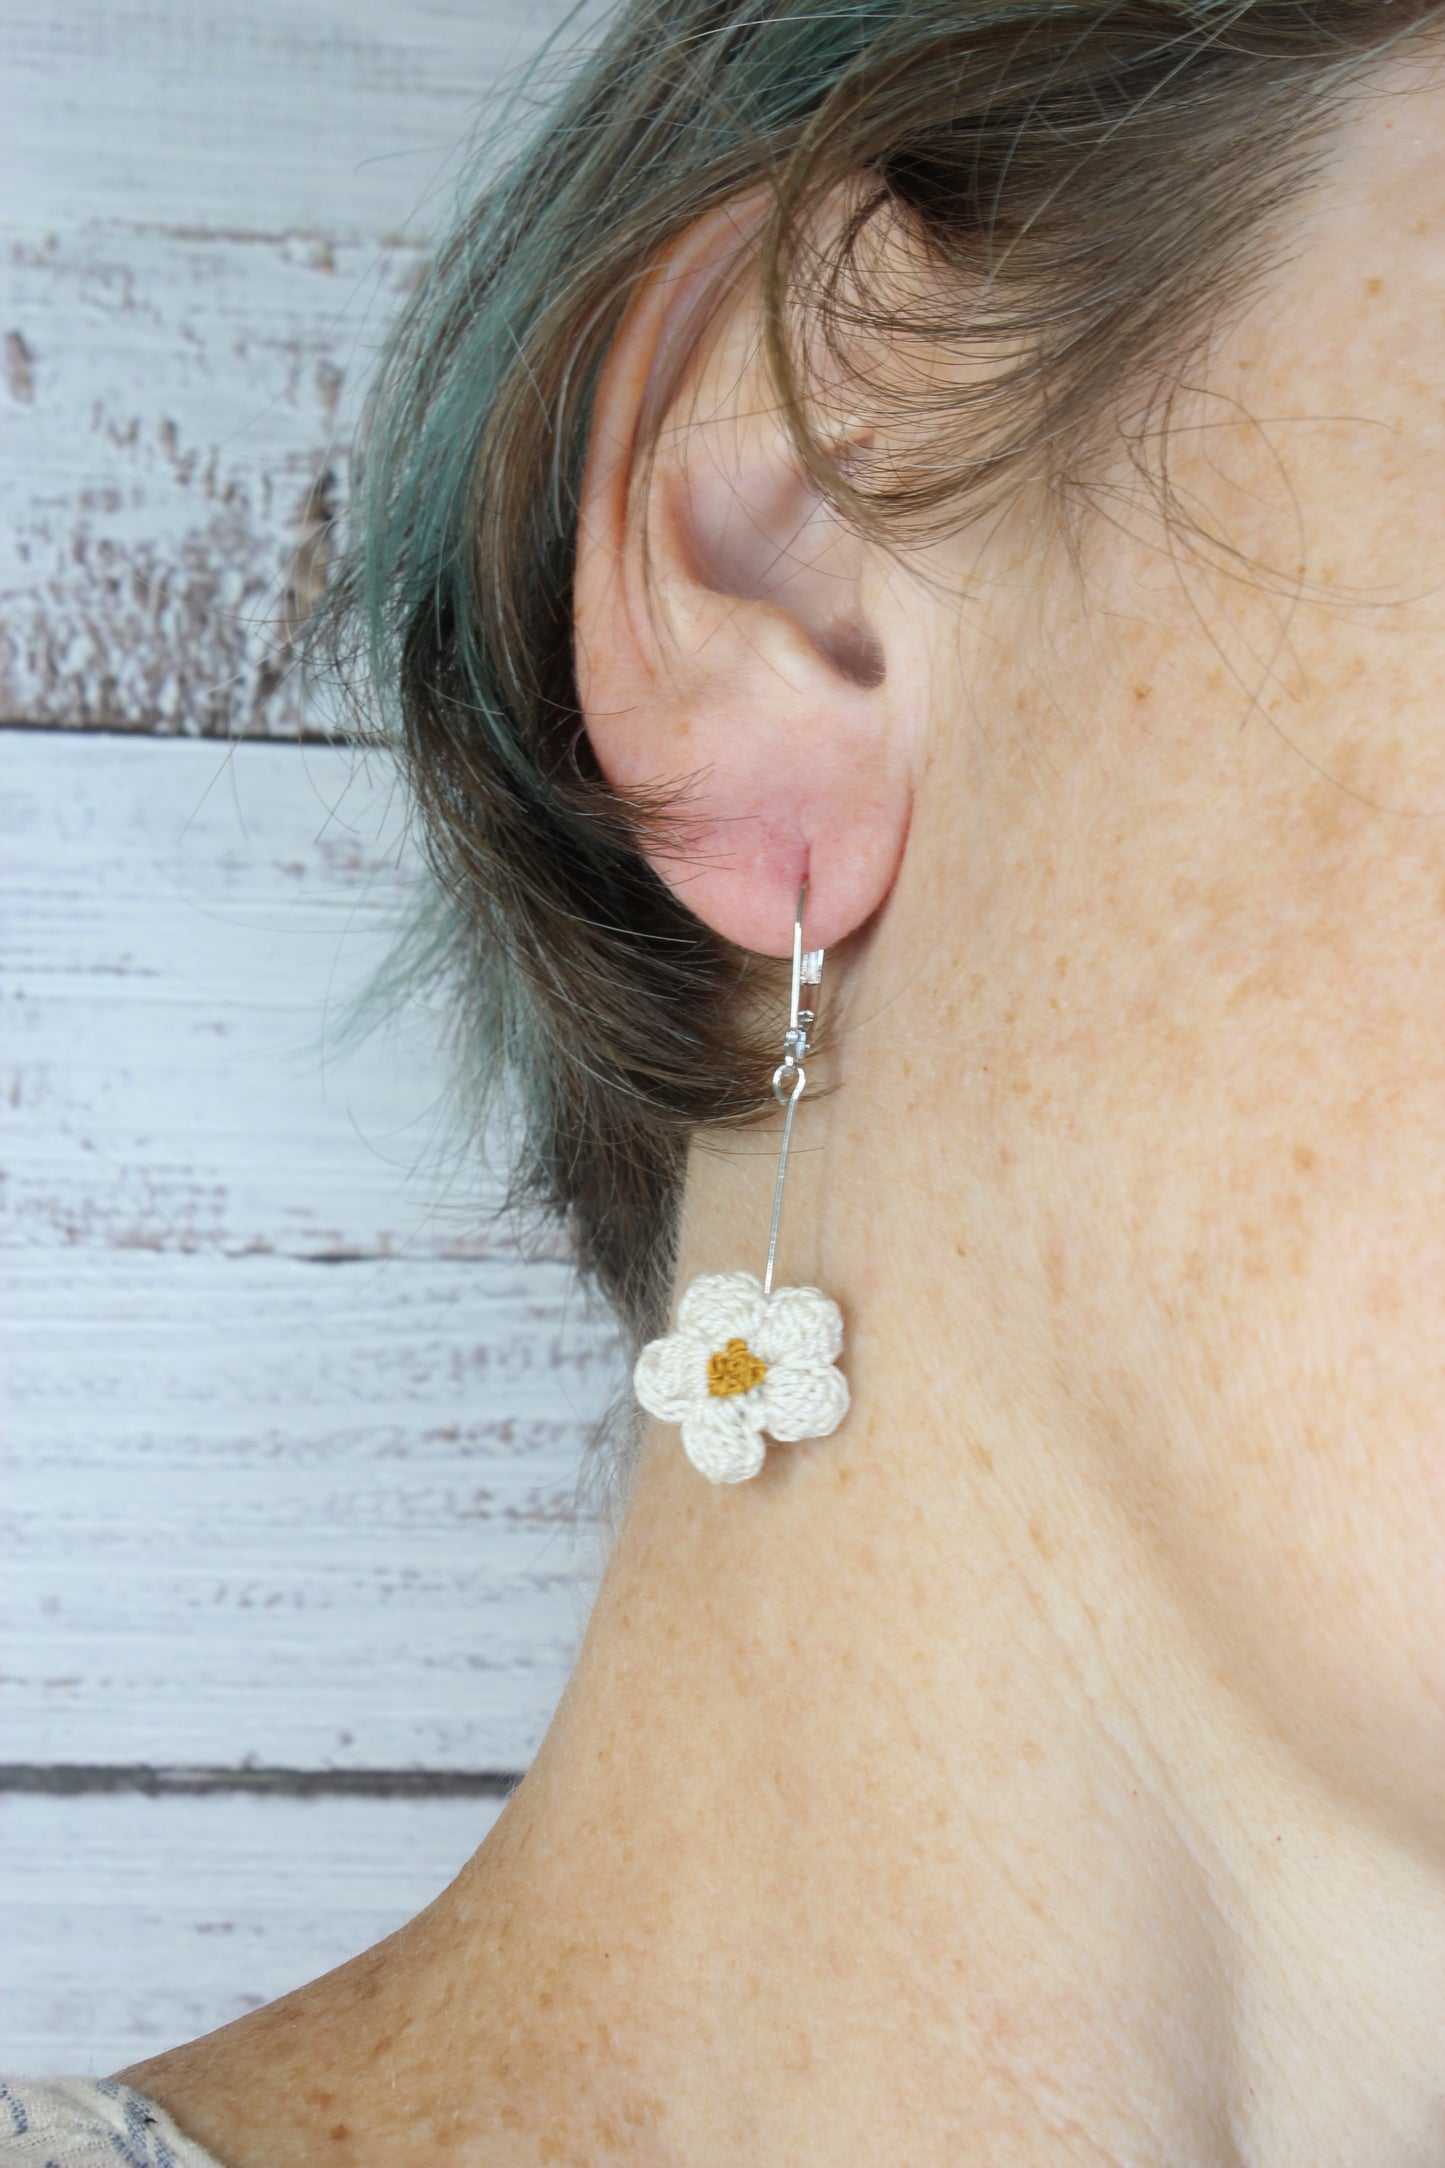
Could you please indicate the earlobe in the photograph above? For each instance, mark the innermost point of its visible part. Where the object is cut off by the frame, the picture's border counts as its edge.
(732, 642)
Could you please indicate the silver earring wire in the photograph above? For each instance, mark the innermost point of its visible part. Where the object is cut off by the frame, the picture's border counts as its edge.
(790, 1079)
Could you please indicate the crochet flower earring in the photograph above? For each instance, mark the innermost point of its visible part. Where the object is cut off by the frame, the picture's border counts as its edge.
(748, 1358)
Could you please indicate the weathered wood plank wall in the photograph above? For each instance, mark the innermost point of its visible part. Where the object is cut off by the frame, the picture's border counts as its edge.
(209, 216)
(328, 1419)
(291, 1428)
(172, 1921)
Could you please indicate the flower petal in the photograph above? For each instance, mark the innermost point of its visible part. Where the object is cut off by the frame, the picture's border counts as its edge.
(802, 1400)
(671, 1376)
(800, 1324)
(723, 1440)
(721, 1306)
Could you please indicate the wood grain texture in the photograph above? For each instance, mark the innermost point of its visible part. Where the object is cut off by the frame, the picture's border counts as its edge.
(131, 1924)
(292, 1433)
(262, 1509)
(209, 216)
(187, 928)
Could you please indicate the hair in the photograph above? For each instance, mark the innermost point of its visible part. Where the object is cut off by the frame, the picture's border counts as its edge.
(1088, 181)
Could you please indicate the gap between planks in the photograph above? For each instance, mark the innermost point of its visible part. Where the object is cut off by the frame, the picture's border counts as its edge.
(71, 1779)
(154, 726)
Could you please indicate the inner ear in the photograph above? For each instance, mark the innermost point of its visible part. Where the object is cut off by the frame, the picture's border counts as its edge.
(748, 521)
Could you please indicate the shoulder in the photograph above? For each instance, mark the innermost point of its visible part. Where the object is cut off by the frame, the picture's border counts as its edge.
(84, 2122)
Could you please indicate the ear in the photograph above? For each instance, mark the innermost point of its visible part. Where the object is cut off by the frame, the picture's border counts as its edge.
(738, 656)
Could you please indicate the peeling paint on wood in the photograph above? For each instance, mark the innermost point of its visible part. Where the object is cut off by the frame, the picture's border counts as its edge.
(19, 368)
(292, 1429)
(131, 1924)
(209, 218)
(174, 471)
(259, 1511)
(185, 929)
(293, 1437)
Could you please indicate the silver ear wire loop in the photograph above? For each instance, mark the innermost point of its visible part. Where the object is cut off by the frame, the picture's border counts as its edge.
(790, 1079)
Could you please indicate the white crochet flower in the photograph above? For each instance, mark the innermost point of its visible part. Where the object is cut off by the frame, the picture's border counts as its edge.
(741, 1363)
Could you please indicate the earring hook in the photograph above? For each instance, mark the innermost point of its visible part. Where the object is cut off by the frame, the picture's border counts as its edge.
(790, 1079)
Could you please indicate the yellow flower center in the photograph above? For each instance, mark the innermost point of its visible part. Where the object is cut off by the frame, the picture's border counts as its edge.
(733, 1369)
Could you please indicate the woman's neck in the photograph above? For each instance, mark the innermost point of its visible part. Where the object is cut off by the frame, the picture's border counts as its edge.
(898, 1810)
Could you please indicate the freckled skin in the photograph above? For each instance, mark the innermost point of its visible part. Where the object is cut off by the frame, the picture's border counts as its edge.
(1050, 1767)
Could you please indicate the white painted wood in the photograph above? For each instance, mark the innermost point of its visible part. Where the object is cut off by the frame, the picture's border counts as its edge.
(187, 930)
(209, 215)
(171, 434)
(285, 115)
(129, 1924)
(260, 1503)
(257, 1505)
(265, 1510)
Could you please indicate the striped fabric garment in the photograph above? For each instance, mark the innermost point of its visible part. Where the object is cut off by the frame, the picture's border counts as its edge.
(89, 2123)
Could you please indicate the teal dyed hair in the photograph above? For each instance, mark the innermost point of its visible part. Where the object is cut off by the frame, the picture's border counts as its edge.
(1088, 182)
